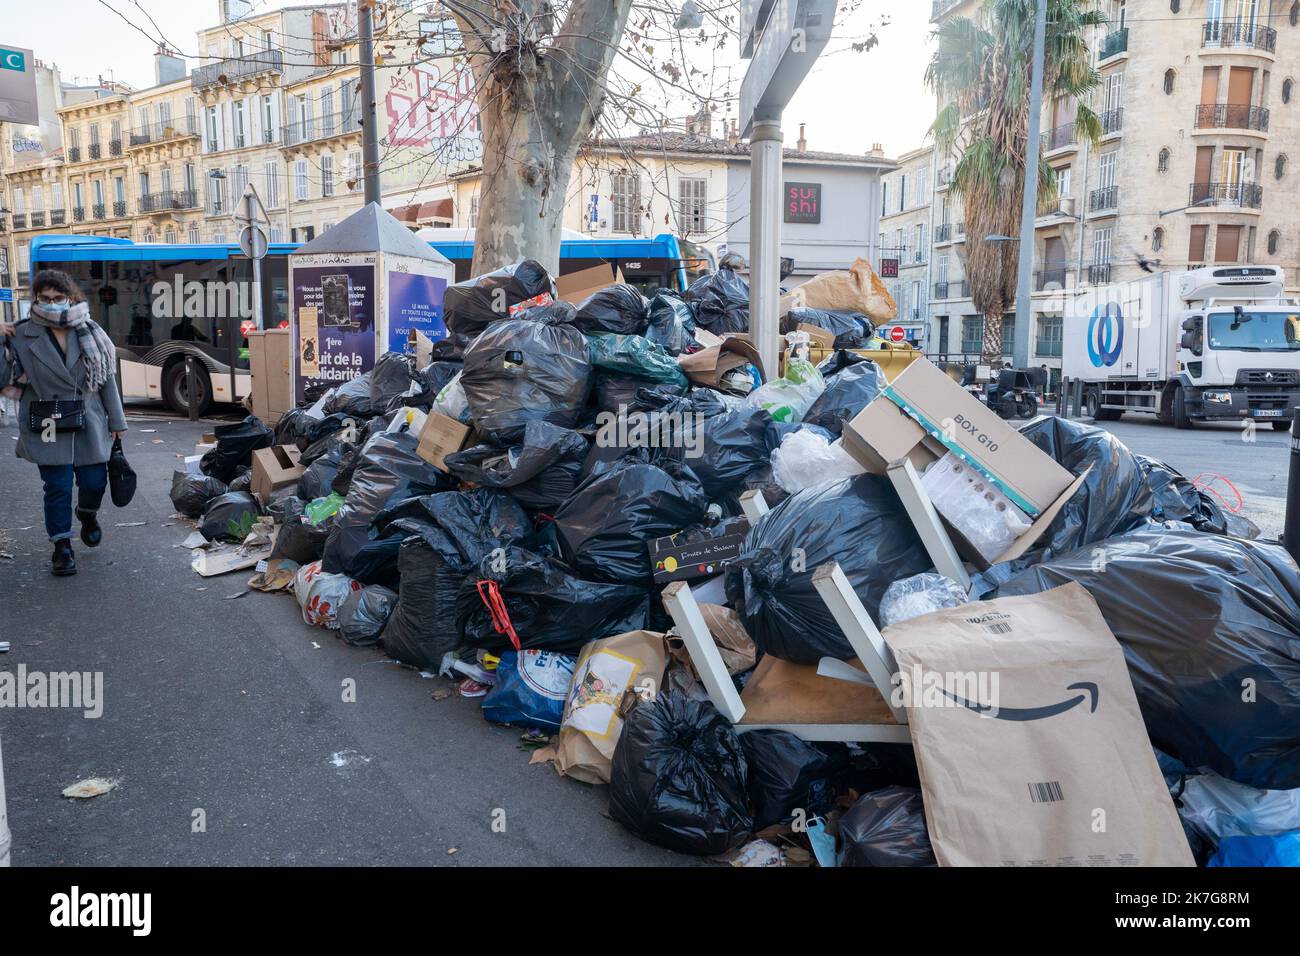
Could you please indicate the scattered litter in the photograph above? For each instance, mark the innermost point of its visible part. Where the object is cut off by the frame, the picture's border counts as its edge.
(131, 524)
(90, 787)
(346, 758)
(236, 596)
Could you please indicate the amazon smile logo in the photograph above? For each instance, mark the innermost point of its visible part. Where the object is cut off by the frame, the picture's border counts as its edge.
(979, 691)
(1034, 713)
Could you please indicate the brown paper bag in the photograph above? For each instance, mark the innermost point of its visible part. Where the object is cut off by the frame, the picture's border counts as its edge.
(734, 644)
(1028, 738)
(858, 289)
(606, 671)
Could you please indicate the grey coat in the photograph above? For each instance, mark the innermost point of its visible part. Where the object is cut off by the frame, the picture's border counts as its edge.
(51, 378)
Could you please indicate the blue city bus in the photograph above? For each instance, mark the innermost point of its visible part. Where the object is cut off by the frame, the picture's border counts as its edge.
(118, 278)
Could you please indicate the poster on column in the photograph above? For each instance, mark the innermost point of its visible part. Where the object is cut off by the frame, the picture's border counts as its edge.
(334, 313)
(414, 304)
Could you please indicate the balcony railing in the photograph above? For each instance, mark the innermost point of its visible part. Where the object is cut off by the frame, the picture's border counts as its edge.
(163, 130)
(1060, 137)
(321, 127)
(1218, 33)
(115, 147)
(1102, 199)
(24, 276)
(1115, 44)
(237, 68)
(943, 232)
(1112, 121)
(939, 7)
(99, 211)
(20, 220)
(58, 217)
(4, 224)
(1231, 116)
(38, 220)
(172, 199)
(1099, 273)
(78, 213)
(941, 290)
(944, 178)
(119, 208)
(74, 154)
(94, 151)
(1243, 195)
(1050, 279)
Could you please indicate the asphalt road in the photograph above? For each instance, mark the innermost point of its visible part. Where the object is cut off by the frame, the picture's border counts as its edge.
(234, 706)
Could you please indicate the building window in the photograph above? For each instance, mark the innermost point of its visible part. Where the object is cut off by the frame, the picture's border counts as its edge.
(213, 137)
(1279, 166)
(1048, 341)
(272, 176)
(691, 202)
(1274, 242)
(921, 245)
(216, 195)
(1157, 239)
(1170, 76)
(1196, 246)
(327, 174)
(354, 170)
(169, 236)
(1287, 86)
(1008, 334)
(626, 200)
(300, 179)
(473, 211)
(972, 334)
(1102, 240)
(1295, 14)
(194, 234)
(1227, 244)
(1174, 7)
(268, 119)
(1162, 164)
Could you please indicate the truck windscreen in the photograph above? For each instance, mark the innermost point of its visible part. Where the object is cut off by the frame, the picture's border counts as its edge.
(1255, 331)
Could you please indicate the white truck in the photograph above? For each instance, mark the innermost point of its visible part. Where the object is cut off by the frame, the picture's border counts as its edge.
(1219, 343)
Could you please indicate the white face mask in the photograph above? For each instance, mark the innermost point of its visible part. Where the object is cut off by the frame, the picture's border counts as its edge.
(56, 307)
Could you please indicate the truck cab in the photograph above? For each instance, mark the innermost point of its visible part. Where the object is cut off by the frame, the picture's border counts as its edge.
(1238, 350)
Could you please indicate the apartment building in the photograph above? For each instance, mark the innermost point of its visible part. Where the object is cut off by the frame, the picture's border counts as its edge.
(905, 241)
(163, 149)
(1198, 111)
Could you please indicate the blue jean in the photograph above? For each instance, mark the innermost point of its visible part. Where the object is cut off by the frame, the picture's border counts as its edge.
(91, 482)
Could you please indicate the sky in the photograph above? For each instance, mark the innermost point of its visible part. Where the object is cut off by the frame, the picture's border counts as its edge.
(848, 102)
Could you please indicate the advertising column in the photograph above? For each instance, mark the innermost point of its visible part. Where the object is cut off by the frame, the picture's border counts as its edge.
(333, 301)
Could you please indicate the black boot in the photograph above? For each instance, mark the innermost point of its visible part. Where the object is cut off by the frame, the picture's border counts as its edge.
(63, 563)
(91, 532)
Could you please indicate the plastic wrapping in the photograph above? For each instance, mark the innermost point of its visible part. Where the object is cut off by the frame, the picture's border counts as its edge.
(1280, 850)
(787, 773)
(678, 777)
(519, 371)
(191, 493)
(235, 446)
(229, 517)
(470, 306)
(1216, 808)
(671, 323)
(611, 517)
(806, 459)
(530, 690)
(852, 329)
(859, 523)
(352, 399)
(450, 400)
(732, 446)
(318, 477)
(917, 595)
(635, 356)
(788, 399)
(320, 594)
(364, 613)
(1210, 626)
(422, 627)
(720, 301)
(392, 378)
(848, 391)
(615, 308)
(1177, 499)
(886, 828)
(989, 520)
(548, 607)
(300, 541)
(540, 473)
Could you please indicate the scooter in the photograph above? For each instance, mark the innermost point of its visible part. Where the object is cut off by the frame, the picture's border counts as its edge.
(1013, 394)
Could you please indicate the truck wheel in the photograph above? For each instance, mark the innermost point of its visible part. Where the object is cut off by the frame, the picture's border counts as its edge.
(1281, 426)
(1092, 404)
(1165, 409)
(176, 390)
(1181, 419)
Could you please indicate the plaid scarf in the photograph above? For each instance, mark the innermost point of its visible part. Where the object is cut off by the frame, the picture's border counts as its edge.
(96, 347)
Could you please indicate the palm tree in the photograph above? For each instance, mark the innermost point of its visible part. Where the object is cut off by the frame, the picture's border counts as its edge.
(981, 71)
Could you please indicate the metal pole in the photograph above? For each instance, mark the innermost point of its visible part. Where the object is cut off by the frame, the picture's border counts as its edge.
(1029, 208)
(1291, 526)
(4, 816)
(369, 124)
(191, 383)
(765, 240)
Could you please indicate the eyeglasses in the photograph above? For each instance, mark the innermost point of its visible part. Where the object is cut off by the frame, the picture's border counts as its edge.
(53, 299)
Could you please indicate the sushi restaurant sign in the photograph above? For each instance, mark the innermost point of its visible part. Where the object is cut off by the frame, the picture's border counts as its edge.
(803, 202)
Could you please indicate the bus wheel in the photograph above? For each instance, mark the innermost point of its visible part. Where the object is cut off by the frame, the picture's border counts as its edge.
(176, 390)
(1281, 426)
(1181, 418)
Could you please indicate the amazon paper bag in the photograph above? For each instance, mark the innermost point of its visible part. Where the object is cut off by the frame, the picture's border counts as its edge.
(1028, 738)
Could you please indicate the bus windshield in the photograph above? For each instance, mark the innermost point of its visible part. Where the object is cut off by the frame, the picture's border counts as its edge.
(1255, 331)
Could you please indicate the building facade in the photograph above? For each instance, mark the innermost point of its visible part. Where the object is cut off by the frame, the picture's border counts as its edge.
(905, 240)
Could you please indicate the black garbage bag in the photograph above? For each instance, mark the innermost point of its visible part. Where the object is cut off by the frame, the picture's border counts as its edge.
(364, 613)
(520, 371)
(846, 394)
(787, 773)
(852, 329)
(287, 508)
(191, 493)
(838, 361)
(1114, 497)
(547, 606)
(1210, 626)
(541, 472)
(558, 312)
(301, 541)
(350, 457)
(678, 777)
(437, 374)
(318, 477)
(294, 427)
(615, 308)
(611, 517)
(720, 301)
(243, 480)
(235, 446)
(670, 323)
(858, 522)
(1177, 499)
(470, 306)
(422, 627)
(727, 448)
(392, 378)
(474, 523)
(325, 430)
(352, 399)
(229, 517)
(452, 348)
(886, 828)
(388, 471)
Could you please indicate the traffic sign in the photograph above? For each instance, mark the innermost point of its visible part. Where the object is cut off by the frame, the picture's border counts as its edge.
(897, 334)
(253, 242)
(792, 37)
(6, 295)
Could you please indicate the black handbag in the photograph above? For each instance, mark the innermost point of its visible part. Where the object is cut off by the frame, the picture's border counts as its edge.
(68, 415)
(121, 476)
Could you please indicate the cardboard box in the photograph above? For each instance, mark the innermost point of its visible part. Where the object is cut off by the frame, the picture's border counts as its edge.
(271, 392)
(441, 436)
(688, 561)
(577, 287)
(923, 414)
(275, 468)
(1029, 743)
(817, 336)
(708, 366)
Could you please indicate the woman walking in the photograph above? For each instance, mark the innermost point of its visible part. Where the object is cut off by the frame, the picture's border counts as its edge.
(62, 368)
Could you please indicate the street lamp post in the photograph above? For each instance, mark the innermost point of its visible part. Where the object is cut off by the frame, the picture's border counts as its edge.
(1029, 206)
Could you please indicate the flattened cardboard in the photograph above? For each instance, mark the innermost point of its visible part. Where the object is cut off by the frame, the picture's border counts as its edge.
(274, 468)
(577, 287)
(441, 436)
(689, 561)
(271, 387)
(708, 366)
(779, 692)
(817, 336)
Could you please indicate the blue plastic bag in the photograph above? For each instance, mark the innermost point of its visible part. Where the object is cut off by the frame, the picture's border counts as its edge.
(530, 689)
(1280, 849)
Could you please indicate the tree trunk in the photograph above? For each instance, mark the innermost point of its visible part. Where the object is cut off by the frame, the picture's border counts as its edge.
(992, 346)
